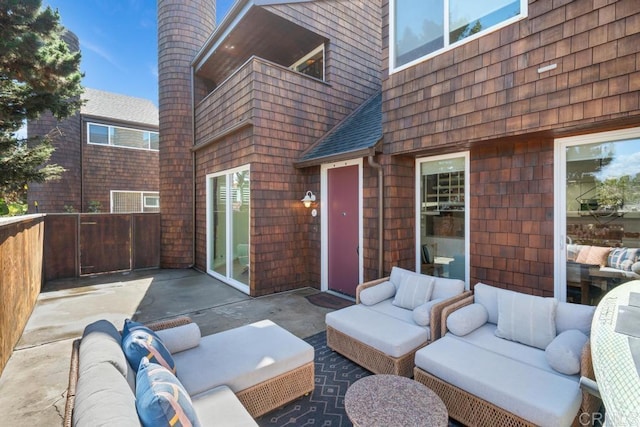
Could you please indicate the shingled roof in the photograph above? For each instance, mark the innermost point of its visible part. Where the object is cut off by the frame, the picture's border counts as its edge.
(118, 107)
(356, 136)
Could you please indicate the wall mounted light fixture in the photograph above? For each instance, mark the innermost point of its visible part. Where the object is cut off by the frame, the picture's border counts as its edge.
(308, 201)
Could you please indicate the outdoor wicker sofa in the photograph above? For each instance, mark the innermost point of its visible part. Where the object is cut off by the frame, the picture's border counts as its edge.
(507, 358)
(383, 330)
(230, 377)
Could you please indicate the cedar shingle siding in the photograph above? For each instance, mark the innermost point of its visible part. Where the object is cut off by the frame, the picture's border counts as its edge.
(266, 115)
(488, 97)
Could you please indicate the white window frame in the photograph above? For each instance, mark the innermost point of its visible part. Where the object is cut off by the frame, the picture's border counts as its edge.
(147, 136)
(447, 46)
(560, 199)
(309, 55)
(156, 199)
(242, 287)
(467, 198)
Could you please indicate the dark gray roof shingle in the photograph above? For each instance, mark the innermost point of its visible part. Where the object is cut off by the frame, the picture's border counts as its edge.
(119, 107)
(357, 133)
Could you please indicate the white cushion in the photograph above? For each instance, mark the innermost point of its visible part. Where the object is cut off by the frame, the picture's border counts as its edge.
(220, 407)
(564, 352)
(528, 319)
(484, 337)
(180, 338)
(241, 357)
(467, 319)
(397, 274)
(488, 297)
(541, 397)
(389, 335)
(422, 313)
(414, 290)
(377, 293)
(386, 307)
(574, 316)
(446, 288)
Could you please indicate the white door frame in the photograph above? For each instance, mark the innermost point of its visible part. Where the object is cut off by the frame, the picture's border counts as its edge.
(325, 196)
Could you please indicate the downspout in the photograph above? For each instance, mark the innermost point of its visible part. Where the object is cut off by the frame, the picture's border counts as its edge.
(193, 168)
(378, 166)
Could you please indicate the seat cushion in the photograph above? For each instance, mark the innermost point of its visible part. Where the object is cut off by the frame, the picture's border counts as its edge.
(241, 357)
(387, 334)
(220, 407)
(539, 396)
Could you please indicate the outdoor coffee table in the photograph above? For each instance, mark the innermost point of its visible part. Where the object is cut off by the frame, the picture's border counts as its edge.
(391, 400)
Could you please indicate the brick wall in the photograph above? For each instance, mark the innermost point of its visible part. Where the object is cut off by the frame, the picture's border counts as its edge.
(183, 28)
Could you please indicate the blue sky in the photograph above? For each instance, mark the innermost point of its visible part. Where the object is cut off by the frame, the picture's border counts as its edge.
(118, 40)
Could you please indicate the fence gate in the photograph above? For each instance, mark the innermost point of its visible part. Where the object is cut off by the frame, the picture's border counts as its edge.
(81, 244)
(105, 243)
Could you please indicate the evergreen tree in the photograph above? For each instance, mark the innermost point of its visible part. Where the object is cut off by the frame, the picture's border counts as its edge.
(37, 73)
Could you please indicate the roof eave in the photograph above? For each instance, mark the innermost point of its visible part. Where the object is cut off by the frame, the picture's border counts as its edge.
(346, 155)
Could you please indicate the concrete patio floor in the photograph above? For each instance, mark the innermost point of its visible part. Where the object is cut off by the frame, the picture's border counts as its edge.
(34, 382)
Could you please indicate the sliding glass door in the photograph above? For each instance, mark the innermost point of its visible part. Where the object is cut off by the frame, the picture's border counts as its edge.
(599, 222)
(441, 224)
(228, 196)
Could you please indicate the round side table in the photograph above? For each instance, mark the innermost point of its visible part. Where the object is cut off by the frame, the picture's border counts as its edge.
(391, 400)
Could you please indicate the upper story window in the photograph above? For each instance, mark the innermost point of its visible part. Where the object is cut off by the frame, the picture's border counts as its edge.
(311, 64)
(423, 28)
(122, 137)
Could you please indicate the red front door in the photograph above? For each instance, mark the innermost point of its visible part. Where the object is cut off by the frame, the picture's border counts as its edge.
(343, 226)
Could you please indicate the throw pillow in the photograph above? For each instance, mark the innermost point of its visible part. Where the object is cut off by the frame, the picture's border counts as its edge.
(583, 254)
(143, 342)
(598, 256)
(377, 293)
(565, 351)
(623, 258)
(161, 400)
(414, 290)
(527, 319)
(422, 313)
(130, 325)
(467, 319)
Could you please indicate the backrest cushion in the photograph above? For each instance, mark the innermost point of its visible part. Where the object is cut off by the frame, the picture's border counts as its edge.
(446, 288)
(488, 297)
(573, 251)
(104, 398)
(574, 316)
(143, 342)
(161, 399)
(101, 343)
(397, 274)
(414, 290)
(527, 319)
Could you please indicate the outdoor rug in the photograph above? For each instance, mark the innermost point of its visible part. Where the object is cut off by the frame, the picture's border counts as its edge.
(325, 406)
(327, 300)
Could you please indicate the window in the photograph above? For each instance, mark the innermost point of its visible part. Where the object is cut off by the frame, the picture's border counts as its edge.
(312, 64)
(441, 202)
(122, 137)
(599, 224)
(423, 28)
(135, 201)
(228, 203)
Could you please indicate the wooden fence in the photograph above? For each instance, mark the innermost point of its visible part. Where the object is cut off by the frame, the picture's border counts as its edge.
(21, 243)
(35, 249)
